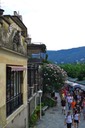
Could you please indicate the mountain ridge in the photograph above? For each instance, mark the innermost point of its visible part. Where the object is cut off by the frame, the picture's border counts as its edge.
(72, 55)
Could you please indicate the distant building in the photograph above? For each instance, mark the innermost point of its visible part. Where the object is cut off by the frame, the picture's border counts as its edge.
(36, 53)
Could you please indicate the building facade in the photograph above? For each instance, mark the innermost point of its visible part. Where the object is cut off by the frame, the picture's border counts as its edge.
(36, 56)
(20, 73)
(13, 72)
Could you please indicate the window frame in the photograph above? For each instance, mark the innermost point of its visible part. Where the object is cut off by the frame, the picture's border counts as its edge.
(14, 95)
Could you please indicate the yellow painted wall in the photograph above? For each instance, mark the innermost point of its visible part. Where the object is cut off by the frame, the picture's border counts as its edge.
(7, 57)
(14, 24)
(2, 84)
(5, 25)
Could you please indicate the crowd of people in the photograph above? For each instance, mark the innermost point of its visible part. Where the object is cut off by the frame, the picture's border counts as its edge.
(73, 104)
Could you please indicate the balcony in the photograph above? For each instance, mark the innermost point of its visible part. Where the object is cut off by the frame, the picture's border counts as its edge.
(36, 49)
(12, 41)
(32, 90)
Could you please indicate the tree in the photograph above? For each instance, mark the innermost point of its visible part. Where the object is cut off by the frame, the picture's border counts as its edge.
(75, 70)
(53, 77)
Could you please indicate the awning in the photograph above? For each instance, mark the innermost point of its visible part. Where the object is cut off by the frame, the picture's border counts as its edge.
(77, 86)
(17, 68)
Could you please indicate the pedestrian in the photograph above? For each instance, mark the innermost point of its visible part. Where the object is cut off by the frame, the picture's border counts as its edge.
(69, 101)
(73, 104)
(78, 108)
(76, 119)
(74, 109)
(69, 120)
(63, 104)
(83, 112)
(83, 107)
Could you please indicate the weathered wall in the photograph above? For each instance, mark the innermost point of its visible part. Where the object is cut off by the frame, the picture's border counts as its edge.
(12, 58)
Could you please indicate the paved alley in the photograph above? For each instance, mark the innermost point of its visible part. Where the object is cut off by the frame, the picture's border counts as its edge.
(54, 118)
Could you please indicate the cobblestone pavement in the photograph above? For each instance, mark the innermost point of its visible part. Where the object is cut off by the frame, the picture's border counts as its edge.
(54, 118)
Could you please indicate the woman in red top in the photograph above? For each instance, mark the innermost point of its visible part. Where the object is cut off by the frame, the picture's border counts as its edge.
(73, 103)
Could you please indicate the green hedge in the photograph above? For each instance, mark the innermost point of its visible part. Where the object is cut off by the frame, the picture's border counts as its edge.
(49, 102)
(35, 116)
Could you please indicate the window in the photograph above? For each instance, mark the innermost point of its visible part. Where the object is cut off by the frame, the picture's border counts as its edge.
(32, 75)
(13, 90)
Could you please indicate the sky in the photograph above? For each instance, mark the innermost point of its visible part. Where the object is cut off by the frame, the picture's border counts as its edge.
(59, 24)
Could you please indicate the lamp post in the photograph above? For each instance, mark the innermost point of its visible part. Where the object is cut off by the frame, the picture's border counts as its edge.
(40, 95)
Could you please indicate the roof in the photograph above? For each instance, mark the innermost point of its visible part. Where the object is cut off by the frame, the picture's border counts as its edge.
(32, 46)
(17, 20)
(81, 82)
(2, 17)
(72, 79)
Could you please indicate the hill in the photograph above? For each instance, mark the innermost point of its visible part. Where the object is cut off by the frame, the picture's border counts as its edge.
(73, 55)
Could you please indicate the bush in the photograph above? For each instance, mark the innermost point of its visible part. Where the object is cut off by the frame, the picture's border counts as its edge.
(49, 102)
(36, 115)
(33, 119)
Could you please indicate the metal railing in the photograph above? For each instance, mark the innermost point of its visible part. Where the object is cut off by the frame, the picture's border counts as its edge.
(31, 90)
(13, 104)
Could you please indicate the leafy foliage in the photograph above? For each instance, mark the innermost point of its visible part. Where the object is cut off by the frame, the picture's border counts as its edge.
(53, 77)
(49, 102)
(35, 115)
(33, 119)
(75, 70)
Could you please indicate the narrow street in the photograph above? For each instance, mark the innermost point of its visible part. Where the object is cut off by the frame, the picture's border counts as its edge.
(54, 118)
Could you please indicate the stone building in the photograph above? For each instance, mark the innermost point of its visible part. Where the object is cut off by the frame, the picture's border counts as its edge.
(36, 53)
(13, 72)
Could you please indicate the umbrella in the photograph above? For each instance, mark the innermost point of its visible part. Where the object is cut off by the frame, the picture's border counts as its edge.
(77, 86)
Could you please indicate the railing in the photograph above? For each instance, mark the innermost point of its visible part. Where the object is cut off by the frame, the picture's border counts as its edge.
(35, 87)
(14, 47)
(32, 90)
(9, 41)
(13, 104)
